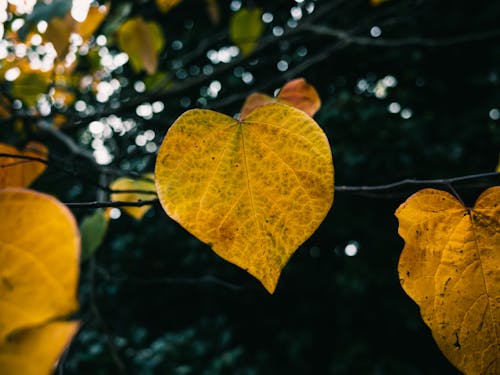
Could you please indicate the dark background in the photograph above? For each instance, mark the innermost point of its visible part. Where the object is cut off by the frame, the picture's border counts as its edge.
(170, 305)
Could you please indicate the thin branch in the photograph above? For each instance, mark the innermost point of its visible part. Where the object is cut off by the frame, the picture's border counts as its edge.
(293, 72)
(24, 157)
(439, 181)
(207, 279)
(48, 162)
(400, 42)
(338, 188)
(102, 204)
(67, 141)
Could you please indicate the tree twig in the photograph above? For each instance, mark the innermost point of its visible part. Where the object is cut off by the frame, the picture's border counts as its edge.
(439, 181)
(338, 188)
(206, 279)
(400, 42)
(102, 204)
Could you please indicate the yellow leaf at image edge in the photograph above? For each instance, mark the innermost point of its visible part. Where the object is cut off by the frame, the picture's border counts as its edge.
(450, 266)
(254, 190)
(125, 183)
(39, 260)
(35, 351)
(16, 172)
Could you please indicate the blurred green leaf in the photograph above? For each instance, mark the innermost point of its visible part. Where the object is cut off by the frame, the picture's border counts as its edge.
(245, 29)
(93, 229)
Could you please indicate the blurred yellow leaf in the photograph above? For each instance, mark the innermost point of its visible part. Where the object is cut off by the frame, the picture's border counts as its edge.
(21, 172)
(58, 33)
(246, 28)
(125, 183)
(59, 29)
(254, 190)
(39, 260)
(296, 93)
(35, 351)
(95, 16)
(165, 5)
(142, 41)
(450, 268)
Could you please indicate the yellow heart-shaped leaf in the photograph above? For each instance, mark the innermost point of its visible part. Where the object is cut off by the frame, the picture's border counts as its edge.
(450, 268)
(254, 190)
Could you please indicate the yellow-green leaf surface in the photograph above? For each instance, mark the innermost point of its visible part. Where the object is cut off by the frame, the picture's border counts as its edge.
(297, 93)
(450, 266)
(35, 351)
(39, 260)
(142, 41)
(245, 29)
(254, 190)
(21, 172)
(29, 86)
(125, 183)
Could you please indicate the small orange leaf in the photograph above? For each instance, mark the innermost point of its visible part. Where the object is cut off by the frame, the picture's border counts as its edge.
(35, 351)
(296, 93)
(450, 268)
(39, 260)
(125, 183)
(142, 41)
(21, 172)
(254, 190)
(299, 94)
(253, 101)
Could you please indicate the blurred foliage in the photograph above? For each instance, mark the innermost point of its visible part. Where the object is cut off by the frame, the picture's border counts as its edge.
(407, 110)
